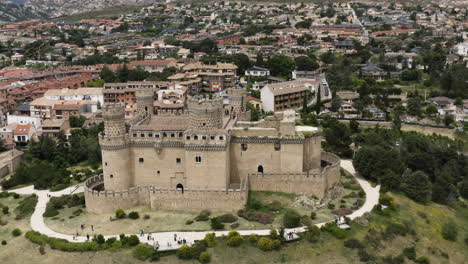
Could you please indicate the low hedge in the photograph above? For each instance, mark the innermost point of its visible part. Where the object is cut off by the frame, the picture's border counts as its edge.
(64, 245)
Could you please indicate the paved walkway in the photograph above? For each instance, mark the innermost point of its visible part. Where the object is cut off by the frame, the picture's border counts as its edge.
(166, 239)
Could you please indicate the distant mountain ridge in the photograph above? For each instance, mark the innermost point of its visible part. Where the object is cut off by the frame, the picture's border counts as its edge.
(11, 11)
(16, 10)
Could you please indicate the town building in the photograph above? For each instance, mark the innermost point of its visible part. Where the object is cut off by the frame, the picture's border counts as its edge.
(287, 95)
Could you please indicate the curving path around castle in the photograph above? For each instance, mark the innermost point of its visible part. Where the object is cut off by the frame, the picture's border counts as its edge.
(166, 239)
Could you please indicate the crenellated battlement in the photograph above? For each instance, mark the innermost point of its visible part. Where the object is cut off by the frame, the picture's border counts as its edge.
(205, 103)
(113, 111)
(206, 112)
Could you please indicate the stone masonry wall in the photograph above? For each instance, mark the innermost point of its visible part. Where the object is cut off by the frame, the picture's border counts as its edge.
(99, 202)
(314, 182)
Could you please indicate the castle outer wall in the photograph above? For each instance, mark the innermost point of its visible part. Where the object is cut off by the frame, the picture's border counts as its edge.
(215, 200)
(228, 200)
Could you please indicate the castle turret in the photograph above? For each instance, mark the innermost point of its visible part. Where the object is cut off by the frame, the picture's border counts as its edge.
(238, 104)
(206, 112)
(144, 101)
(114, 147)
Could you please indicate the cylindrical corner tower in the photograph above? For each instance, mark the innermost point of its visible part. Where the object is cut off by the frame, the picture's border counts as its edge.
(238, 99)
(114, 148)
(144, 101)
(206, 112)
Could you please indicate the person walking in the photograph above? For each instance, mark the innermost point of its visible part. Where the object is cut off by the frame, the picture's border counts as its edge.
(175, 237)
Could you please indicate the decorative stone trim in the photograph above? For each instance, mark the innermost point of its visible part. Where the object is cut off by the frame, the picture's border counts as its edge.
(114, 147)
(267, 140)
(205, 147)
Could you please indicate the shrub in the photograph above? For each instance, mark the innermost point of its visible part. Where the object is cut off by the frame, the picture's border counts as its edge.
(353, 243)
(260, 217)
(111, 240)
(385, 199)
(235, 225)
(331, 206)
(16, 196)
(189, 222)
(77, 212)
(142, 252)
(216, 224)
(342, 211)
(313, 215)
(41, 250)
(133, 240)
(50, 213)
(205, 257)
(133, 215)
(274, 234)
(265, 218)
(450, 231)
(275, 206)
(394, 260)
(16, 232)
(253, 238)
(4, 242)
(305, 220)
(363, 255)
(227, 218)
(147, 216)
(423, 260)
(5, 210)
(210, 239)
(267, 244)
(396, 229)
(203, 216)
(291, 219)
(410, 253)
(120, 214)
(234, 241)
(99, 239)
(184, 252)
(313, 234)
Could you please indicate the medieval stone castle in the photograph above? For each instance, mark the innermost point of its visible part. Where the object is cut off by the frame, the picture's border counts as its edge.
(206, 157)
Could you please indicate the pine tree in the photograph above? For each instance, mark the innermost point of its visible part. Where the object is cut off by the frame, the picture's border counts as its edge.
(417, 187)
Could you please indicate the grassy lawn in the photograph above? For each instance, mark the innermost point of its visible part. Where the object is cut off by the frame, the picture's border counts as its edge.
(8, 223)
(160, 220)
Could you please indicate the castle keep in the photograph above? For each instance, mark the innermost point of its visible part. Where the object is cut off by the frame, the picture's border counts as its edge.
(204, 158)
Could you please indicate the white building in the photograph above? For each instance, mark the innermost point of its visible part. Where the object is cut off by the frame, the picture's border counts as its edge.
(256, 71)
(25, 120)
(88, 94)
(287, 95)
(461, 49)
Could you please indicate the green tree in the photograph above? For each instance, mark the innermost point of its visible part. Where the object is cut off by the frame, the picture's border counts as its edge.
(338, 139)
(306, 63)
(431, 110)
(448, 119)
(453, 81)
(281, 65)
(417, 186)
(107, 75)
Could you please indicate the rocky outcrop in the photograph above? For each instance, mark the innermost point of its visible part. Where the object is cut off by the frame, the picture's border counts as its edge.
(57, 8)
(16, 10)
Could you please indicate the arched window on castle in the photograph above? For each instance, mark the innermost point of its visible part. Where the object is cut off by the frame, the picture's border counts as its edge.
(198, 159)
